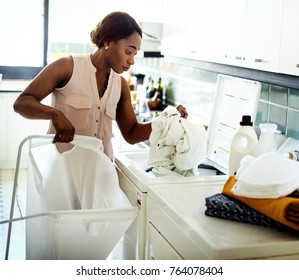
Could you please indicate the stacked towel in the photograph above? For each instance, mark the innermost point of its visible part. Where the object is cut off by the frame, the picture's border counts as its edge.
(177, 146)
(222, 206)
(270, 175)
(284, 210)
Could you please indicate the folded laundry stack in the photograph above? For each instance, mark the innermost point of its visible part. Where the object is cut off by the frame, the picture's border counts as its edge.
(268, 185)
(271, 175)
(222, 206)
(284, 210)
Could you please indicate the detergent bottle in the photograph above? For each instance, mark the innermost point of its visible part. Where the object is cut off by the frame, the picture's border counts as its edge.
(243, 143)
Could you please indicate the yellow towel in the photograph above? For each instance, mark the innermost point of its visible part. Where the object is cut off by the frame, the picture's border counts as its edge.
(284, 210)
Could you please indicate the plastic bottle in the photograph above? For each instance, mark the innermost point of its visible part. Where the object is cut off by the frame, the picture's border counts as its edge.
(243, 143)
(267, 139)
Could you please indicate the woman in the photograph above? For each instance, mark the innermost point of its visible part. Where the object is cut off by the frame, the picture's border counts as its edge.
(88, 91)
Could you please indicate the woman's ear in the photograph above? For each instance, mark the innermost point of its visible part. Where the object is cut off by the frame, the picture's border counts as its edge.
(106, 45)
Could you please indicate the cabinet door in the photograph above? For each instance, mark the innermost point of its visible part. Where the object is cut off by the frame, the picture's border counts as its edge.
(159, 248)
(19, 128)
(262, 44)
(231, 31)
(289, 54)
(201, 29)
(3, 127)
(174, 29)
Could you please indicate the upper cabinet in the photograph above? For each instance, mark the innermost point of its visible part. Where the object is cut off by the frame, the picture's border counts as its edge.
(231, 31)
(262, 40)
(201, 27)
(174, 30)
(289, 54)
(257, 34)
(249, 33)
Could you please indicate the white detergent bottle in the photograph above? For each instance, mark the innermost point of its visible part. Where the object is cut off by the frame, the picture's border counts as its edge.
(267, 141)
(243, 143)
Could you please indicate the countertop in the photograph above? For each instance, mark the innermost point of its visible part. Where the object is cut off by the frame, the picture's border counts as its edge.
(13, 85)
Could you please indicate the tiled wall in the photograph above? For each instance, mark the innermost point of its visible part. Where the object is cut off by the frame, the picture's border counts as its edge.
(280, 105)
(195, 88)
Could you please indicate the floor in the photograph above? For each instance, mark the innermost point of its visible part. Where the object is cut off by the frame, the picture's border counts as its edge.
(17, 243)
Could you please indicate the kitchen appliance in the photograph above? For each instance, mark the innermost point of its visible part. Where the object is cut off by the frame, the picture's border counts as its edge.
(233, 98)
(179, 229)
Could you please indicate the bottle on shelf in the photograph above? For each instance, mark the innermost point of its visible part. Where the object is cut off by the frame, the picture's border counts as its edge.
(243, 143)
(150, 90)
(156, 101)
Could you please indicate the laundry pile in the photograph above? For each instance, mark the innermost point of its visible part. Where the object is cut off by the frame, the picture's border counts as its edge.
(265, 190)
(177, 146)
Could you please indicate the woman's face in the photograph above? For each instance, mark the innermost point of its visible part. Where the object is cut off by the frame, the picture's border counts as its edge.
(122, 52)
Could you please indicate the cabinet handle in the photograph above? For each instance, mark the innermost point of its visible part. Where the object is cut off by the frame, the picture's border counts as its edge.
(297, 65)
(239, 58)
(257, 60)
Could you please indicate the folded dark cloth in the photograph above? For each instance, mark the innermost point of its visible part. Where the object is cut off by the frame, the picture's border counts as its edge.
(222, 206)
(284, 210)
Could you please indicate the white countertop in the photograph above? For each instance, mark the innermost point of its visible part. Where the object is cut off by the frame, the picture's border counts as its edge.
(13, 85)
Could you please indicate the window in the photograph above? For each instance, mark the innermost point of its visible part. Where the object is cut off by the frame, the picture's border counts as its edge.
(70, 23)
(22, 36)
(36, 32)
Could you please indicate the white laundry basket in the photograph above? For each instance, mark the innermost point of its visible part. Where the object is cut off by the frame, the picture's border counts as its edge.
(75, 208)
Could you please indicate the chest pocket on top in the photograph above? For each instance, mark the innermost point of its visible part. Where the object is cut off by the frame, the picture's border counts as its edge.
(78, 109)
(111, 111)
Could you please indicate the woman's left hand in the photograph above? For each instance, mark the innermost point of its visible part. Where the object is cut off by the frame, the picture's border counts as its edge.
(183, 111)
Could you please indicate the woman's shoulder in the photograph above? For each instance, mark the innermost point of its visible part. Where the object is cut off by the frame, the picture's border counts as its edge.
(63, 63)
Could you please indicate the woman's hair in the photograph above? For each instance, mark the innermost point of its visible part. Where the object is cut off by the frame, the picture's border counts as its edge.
(113, 27)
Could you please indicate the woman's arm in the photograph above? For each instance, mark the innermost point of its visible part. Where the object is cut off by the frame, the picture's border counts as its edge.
(29, 105)
(133, 131)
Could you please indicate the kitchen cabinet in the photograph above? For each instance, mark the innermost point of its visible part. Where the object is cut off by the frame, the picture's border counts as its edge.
(179, 229)
(249, 34)
(14, 128)
(159, 248)
(262, 41)
(289, 55)
(3, 127)
(230, 35)
(173, 41)
(243, 33)
(201, 29)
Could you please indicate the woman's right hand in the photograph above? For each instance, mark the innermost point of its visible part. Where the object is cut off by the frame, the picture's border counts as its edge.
(65, 131)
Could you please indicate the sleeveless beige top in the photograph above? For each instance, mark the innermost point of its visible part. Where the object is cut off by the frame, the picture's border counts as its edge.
(80, 102)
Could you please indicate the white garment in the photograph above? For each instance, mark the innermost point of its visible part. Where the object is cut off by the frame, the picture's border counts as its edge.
(177, 146)
(84, 210)
(271, 175)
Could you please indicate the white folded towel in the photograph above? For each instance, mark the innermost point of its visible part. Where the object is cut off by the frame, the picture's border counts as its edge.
(176, 145)
(270, 175)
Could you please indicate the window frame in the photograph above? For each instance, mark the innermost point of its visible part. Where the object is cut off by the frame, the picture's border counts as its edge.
(29, 72)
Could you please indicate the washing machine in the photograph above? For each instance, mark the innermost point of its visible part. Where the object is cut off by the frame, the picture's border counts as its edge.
(179, 229)
(233, 98)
